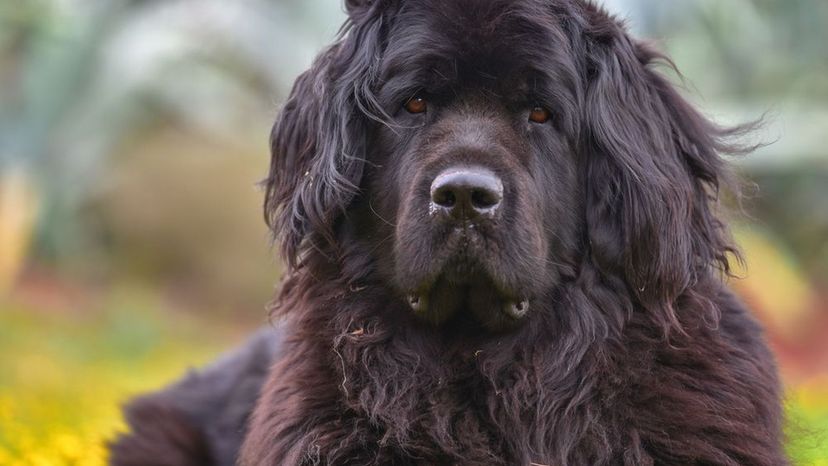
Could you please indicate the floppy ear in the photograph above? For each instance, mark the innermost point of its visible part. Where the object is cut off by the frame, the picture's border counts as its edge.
(653, 173)
(318, 142)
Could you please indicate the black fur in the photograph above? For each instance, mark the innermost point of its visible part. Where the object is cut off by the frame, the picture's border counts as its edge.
(402, 345)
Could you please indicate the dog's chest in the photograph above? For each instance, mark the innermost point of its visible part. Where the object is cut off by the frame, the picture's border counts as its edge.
(469, 418)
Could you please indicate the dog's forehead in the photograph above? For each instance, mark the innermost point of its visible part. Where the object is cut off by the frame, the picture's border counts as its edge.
(475, 25)
(487, 38)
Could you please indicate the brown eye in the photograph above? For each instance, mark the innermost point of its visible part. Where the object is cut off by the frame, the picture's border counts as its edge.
(416, 105)
(539, 115)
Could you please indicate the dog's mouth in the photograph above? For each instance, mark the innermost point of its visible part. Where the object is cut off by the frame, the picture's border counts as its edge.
(465, 288)
(515, 309)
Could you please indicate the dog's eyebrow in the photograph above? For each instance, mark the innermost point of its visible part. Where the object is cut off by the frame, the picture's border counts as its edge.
(401, 84)
(439, 73)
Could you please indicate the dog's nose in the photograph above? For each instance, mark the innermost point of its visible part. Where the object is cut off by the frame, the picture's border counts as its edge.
(466, 192)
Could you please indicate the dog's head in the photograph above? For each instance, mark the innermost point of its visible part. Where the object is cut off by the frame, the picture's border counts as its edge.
(479, 154)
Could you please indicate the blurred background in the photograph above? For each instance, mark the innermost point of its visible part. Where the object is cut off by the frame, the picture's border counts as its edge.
(132, 246)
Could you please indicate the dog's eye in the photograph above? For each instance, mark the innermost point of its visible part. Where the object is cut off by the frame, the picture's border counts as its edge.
(416, 105)
(539, 115)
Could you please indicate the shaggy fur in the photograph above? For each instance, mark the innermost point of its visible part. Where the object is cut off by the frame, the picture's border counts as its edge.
(398, 346)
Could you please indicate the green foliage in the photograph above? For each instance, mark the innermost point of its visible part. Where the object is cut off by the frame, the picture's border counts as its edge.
(807, 430)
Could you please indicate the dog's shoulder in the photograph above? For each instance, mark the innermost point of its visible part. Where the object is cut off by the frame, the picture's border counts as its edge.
(200, 419)
(721, 377)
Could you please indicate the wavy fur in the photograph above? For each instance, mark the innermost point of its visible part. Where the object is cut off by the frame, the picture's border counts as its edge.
(634, 351)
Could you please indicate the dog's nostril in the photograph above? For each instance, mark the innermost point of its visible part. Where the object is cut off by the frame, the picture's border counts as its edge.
(444, 198)
(466, 192)
(484, 199)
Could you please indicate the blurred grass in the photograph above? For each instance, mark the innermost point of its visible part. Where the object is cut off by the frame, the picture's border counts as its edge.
(807, 430)
(66, 373)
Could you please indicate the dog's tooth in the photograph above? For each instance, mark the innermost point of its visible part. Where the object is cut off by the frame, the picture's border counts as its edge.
(516, 309)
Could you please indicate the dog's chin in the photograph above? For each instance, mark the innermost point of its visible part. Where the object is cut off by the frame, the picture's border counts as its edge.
(466, 289)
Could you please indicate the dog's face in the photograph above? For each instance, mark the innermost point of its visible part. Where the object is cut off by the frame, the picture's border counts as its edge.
(476, 154)
(473, 175)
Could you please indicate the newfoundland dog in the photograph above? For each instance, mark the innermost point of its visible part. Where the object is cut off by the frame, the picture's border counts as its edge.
(504, 247)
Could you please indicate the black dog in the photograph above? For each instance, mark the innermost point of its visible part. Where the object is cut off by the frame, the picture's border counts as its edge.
(504, 249)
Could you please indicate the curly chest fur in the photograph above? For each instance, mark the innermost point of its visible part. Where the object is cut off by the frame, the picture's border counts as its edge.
(377, 396)
(397, 411)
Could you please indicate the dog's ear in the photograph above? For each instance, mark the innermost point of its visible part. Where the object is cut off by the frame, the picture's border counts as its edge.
(318, 143)
(652, 172)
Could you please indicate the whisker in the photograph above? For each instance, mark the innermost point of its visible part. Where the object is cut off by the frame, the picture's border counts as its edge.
(380, 243)
(371, 206)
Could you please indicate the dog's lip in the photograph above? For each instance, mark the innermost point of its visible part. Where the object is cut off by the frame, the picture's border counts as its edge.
(513, 308)
(474, 286)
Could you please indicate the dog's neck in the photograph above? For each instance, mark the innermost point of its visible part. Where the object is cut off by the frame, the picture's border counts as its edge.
(362, 379)
(400, 383)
